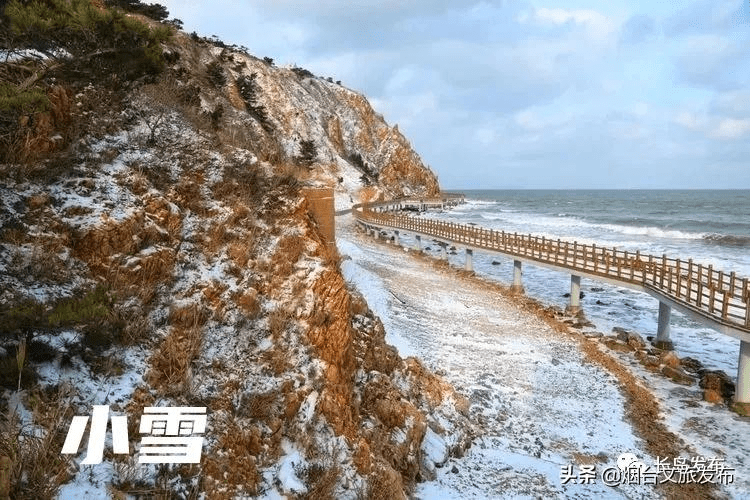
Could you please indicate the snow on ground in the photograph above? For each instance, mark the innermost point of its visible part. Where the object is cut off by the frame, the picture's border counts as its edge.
(539, 404)
(710, 430)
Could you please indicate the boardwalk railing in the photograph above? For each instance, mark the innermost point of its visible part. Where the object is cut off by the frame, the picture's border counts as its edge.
(716, 295)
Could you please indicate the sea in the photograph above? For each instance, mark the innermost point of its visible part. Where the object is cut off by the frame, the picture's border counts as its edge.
(708, 226)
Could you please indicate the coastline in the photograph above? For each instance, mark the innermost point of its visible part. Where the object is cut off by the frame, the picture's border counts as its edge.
(646, 404)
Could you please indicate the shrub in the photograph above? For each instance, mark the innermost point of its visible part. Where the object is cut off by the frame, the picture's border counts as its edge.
(15, 101)
(302, 73)
(24, 316)
(250, 92)
(154, 11)
(97, 41)
(216, 74)
(368, 170)
(94, 305)
(308, 153)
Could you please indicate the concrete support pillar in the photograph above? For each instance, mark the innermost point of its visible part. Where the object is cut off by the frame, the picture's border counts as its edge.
(662, 330)
(575, 295)
(742, 394)
(517, 281)
(419, 242)
(469, 260)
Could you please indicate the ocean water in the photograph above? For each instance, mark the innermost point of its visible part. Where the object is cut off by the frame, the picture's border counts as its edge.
(709, 226)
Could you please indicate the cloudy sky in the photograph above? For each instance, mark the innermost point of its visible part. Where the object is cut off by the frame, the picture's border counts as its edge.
(528, 94)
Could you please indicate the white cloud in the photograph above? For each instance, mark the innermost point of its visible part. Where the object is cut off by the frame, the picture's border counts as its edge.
(690, 121)
(731, 128)
(640, 109)
(485, 136)
(713, 126)
(595, 22)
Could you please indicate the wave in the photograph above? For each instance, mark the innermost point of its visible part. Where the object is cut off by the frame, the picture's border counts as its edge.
(537, 223)
(728, 240)
(653, 232)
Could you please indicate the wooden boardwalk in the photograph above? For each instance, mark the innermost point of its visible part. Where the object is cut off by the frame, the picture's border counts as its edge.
(718, 299)
(713, 294)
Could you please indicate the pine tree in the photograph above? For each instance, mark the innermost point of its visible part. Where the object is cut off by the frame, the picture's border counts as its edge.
(308, 153)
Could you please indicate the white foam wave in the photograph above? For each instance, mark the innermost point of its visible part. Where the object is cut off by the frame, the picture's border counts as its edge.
(653, 232)
(542, 223)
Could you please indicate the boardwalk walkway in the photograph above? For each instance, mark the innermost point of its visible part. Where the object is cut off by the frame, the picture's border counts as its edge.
(713, 297)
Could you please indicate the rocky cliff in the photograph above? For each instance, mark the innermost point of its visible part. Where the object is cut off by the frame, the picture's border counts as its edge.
(155, 250)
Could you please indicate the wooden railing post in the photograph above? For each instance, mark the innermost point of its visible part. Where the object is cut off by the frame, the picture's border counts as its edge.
(711, 299)
(725, 306)
(663, 268)
(593, 255)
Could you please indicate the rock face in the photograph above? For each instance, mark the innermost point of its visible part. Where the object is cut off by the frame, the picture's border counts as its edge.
(354, 146)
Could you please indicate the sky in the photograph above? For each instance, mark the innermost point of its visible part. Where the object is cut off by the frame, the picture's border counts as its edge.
(528, 94)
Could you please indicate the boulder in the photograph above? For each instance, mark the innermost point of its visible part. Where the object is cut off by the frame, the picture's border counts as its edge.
(621, 333)
(677, 375)
(616, 345)
(712, 396)
(636, 341)
(650, 362)
(692, 365)
(669, 358)
(719, 382)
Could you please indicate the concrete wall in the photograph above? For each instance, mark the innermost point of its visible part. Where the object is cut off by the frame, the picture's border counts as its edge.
(321, 206)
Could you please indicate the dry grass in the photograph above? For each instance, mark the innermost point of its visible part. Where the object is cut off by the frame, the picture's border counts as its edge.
(213, 295)
(277, 360)
(135, 325)
(217, 236)
(230, 469)
(385, 484)
(140, 399)
(368, 193)
(189, 196)
(36, 467)
(143, 279)
(320, 480)
(170, 364)
(242, 183)
(278, 321)
(76, 211)
(259, 406)
(249, 303)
